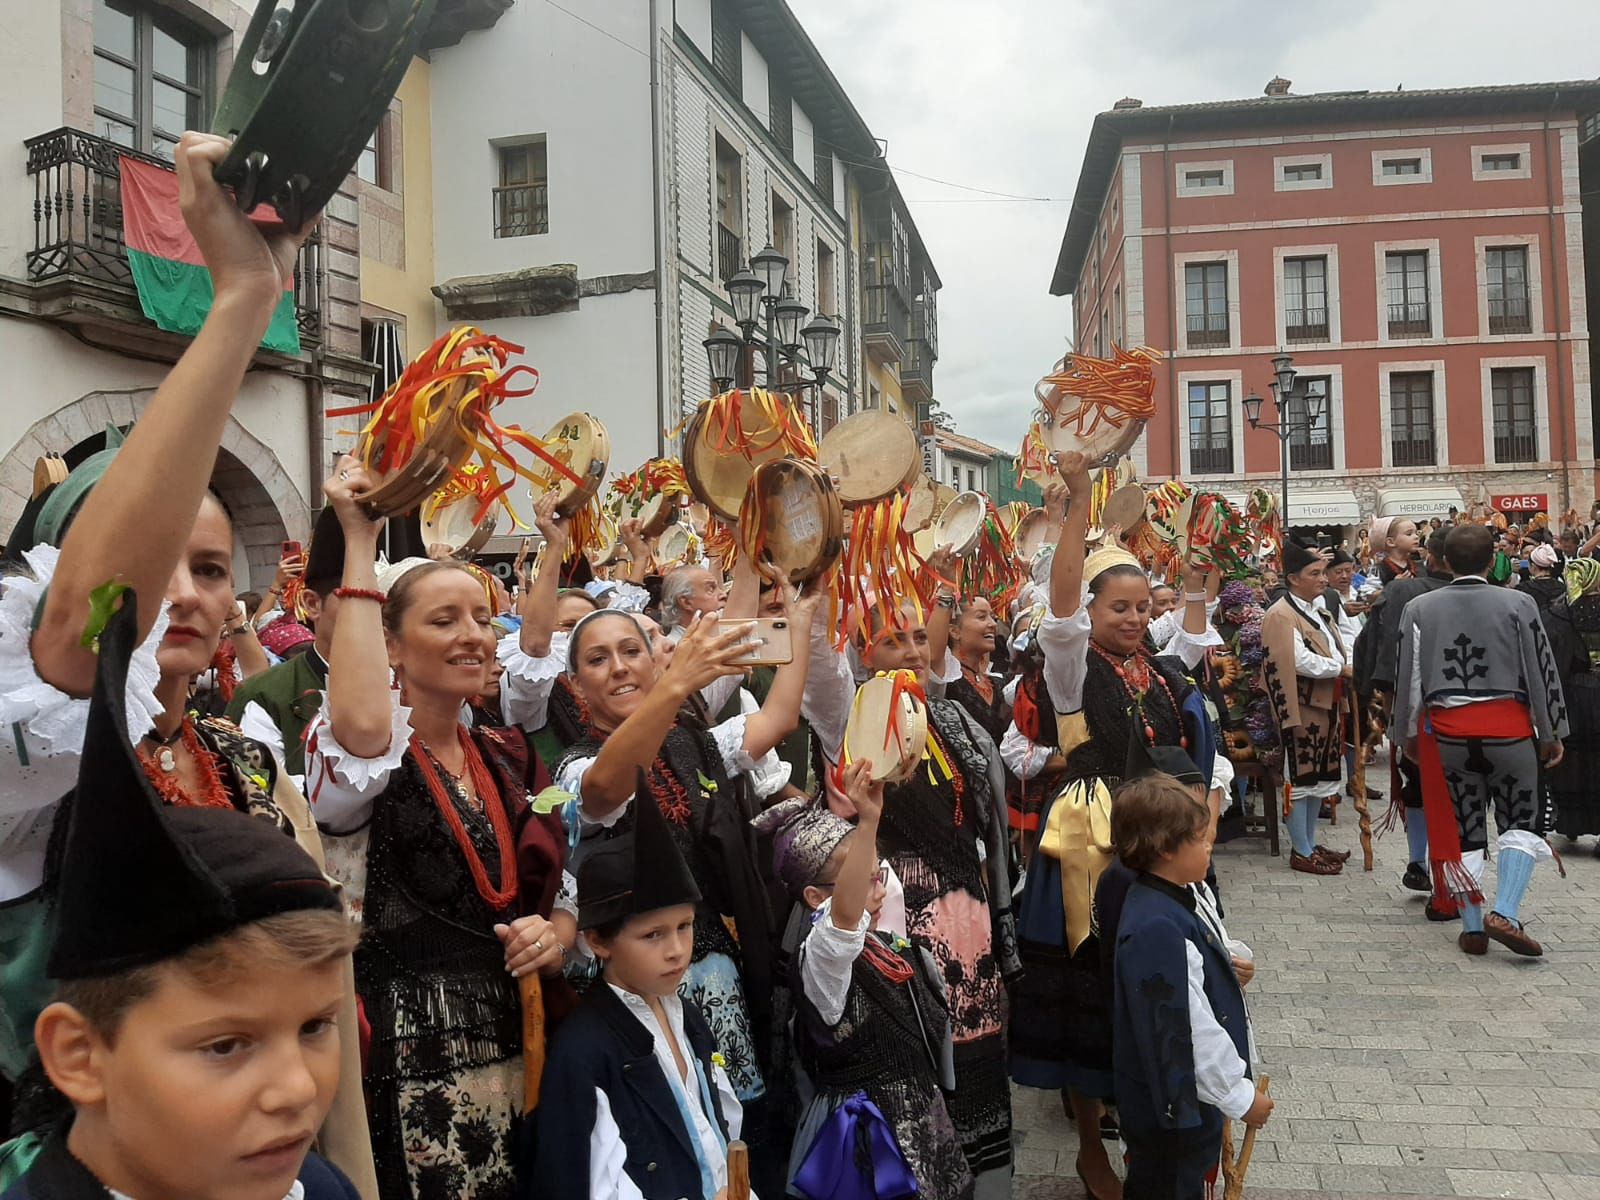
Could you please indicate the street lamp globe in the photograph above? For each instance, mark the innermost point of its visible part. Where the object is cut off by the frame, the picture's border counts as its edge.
(1283, 369)
(744, 293)
(786, 318)
(822, 344)
(1252, 409)
(723, 349)
(770, 267)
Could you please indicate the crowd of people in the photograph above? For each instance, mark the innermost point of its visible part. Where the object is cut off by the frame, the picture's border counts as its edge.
(488, 893)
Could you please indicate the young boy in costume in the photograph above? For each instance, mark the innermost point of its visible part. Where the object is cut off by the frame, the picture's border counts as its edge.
(1180, 1049)
(200, 957)
(872, 1030)
(635, 1100)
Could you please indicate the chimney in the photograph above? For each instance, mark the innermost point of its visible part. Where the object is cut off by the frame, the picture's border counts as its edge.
(1278, 86)
(1126, 103)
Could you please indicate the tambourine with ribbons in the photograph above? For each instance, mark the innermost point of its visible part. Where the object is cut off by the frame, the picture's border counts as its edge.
(422, 431)
(652, 495)
(1218, 533)
(990, 569)
(888, 727)
(310, 83)
(1265, 519)
(870, 455)
(573, 457)
(880, 568)
(730, 435)
(1096, 406)
(451, 516)
(792, 520)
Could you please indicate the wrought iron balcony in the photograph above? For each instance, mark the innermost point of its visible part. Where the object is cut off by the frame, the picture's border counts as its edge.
(1315, 456)
(885, 323)
(730, 255)
(1207, 330)
(1208, 459)
(916, 371)
(1509, 314)
(1413, 319)
(1305, 325)
(1518, 443)
(77, 225)
(521, 209)
(1413, 451)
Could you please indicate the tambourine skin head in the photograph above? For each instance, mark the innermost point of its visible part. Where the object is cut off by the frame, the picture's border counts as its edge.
(582, 441)
(310, 82)
(961, 523)
(894, 748)
(452, 525)
(799, 518)
(872, 454)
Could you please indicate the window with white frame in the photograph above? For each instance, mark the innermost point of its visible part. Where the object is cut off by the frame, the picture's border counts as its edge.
(1205, 289)
(1506, 281)
(1311, 442)
(1402, 166)
(1205, 178)
(1211, 427)
(1410, 314)
(1510, 161)
(1305, 299)
(729, 210)
(1516, 429)
(1411, 427)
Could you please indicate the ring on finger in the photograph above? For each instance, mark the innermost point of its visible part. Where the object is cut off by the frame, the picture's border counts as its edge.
(344, 474)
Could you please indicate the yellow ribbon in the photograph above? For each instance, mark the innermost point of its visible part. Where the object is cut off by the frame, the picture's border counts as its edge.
(1077, 834)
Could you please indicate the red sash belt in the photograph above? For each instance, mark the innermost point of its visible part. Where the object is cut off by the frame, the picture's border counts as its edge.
(1507, 718)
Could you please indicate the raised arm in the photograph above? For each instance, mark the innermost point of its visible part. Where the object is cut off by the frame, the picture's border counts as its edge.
(942, 562)
(853, 887)
(638, 552)
(537, 604)
(359, 705)
(1066, 568)
(744, 592)
(778, 717)
(135, 524)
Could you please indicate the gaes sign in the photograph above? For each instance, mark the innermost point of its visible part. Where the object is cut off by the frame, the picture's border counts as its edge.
(1528, 502)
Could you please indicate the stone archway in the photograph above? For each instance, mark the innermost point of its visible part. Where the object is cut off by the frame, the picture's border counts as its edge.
(266, 506)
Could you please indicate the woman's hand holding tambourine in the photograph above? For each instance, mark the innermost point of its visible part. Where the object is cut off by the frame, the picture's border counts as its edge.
(347, 489)
(552, 526)
(1074, 468)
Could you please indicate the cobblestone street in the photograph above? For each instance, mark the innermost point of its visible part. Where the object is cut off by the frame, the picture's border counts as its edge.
(1400, 1066)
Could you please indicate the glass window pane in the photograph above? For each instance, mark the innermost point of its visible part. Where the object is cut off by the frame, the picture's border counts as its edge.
(174, 59)
(113, 29)
(113, 87)
(367, 164)
(163, 147)
(175, 109)
(113, 131)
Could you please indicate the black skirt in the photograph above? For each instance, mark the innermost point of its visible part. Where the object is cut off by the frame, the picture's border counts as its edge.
(1575, 783)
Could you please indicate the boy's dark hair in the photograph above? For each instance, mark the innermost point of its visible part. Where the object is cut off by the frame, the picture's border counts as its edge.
(1152, 816)
(1469, 549)
(309, 938)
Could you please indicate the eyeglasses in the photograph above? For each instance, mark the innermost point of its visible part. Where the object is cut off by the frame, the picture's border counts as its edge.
(881, 875)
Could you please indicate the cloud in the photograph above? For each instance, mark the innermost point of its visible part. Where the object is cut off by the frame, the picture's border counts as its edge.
(1001, 95)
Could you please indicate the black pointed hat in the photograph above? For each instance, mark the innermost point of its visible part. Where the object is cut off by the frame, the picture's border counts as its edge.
(1144, 759)
(635, 872)
(325, 556)
(137, 881)
(1296, 558)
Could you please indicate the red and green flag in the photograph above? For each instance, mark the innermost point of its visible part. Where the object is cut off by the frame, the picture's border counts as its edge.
(173, 283)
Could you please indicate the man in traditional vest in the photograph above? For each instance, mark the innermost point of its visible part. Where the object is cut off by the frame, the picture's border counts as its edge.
(1304, 672)
(1478, 703)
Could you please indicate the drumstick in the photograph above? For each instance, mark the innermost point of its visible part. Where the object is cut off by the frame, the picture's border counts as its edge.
(738, 1171)
(1235, 1188)
(533, 1038)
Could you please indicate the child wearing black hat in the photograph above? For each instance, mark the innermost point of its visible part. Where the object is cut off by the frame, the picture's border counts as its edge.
(635, 1099)
(201, 958)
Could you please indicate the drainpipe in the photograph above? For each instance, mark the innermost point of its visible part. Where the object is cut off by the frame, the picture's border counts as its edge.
(316, 420)
(665, 420)
(1556, 292)
(1172, 304)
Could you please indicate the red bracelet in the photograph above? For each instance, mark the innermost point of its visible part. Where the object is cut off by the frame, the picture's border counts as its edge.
(345, 593)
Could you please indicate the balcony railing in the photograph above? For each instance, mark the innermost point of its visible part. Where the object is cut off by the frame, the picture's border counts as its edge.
(1413, 319)
(1315, 456)
(1210, 460)
(1207, 330)
(1412, 452)
(729, 255)
(916, 372)
(521, 209)
(1509, 315)
(925, 321)
(885, 322)
(1306, 325)
(77, 220)
(1518, 444)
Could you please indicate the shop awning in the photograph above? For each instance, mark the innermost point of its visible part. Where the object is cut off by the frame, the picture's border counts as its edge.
(1419, 502)
(1328, 506)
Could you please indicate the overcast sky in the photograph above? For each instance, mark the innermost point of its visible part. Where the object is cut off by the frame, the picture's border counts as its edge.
(1000, 95)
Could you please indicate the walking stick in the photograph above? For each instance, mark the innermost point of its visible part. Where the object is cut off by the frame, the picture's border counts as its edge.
(1227, 1154)
(738, 1171)
(1358, 735)
(1234, 1189)
(533, 1038)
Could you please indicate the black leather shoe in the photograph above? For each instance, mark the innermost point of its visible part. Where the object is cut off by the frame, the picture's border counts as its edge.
(1416, 878)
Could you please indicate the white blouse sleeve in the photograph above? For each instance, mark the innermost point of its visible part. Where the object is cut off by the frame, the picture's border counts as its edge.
(608, 1156)
(1220, 1077)
(1022, 756)
(1191, 648)
(342, 786)
(770, 774)
(1222, 772)
(937, 683)
(1065, 641)
(628, 597)
(827, 958)
(830, 690)
(528, 680)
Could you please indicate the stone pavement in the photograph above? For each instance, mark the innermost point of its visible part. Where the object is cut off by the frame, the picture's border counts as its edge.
(1400, 1065)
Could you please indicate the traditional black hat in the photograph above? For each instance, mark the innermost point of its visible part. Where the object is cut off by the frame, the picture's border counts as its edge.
(1340, 557)
(1296, 558)
(325, 555)
(1144, 759)
(138, 881)
(635, 872)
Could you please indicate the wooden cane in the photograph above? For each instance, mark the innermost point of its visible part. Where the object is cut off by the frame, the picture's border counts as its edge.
(738, 1171)
(533, 1038)
(1227, 1155)
(1235, 1186)
(1358, 785)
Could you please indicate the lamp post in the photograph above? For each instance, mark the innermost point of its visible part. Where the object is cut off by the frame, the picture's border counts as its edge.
(1286, 388)
(758, 292)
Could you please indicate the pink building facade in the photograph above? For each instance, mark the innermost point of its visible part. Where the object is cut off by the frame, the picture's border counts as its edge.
(1420, 255)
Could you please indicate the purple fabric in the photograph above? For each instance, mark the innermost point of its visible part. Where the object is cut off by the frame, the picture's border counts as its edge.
(855, 1157)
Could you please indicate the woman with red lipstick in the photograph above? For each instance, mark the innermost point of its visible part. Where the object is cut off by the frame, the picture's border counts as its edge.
(457, 878)
(149, 524)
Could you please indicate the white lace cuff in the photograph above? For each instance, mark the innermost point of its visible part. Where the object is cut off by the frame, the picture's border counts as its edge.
(567, 894)
(342, 786)
(629, 597)
(528, 681)
(729, 738)
(56, 720)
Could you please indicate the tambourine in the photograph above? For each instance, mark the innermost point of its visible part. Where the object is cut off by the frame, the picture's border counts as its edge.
(888, 726)
(871, 454)
(652, 495)
(961, 523)
(310, 82)
(1102, 447)
(1125, 508)
(1162, 503)
(452, 523)
(1097, 406)
(677, 545)
(607, 547)
(580, 443)
(1033, 532)
(921, 501)
(943, 493)
(792, 518)
(731, 435)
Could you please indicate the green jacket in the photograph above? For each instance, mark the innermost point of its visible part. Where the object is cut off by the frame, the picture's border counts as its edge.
(290, 693)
